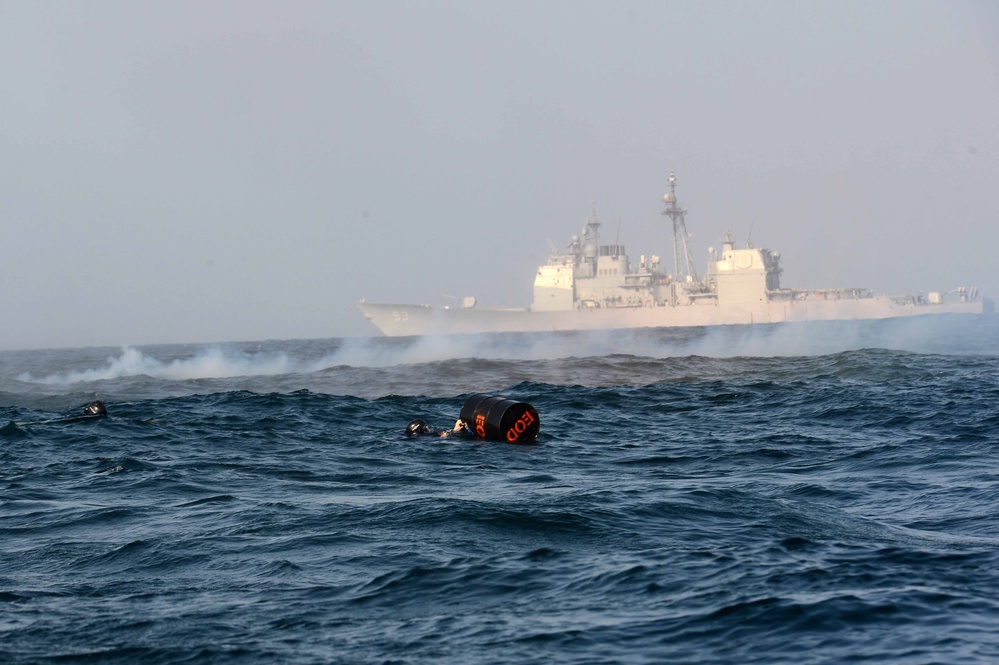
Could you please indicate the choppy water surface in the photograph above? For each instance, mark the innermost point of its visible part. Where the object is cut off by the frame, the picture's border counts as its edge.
(786, 494)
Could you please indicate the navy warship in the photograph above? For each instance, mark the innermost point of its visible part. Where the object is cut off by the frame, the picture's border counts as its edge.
(597, 287)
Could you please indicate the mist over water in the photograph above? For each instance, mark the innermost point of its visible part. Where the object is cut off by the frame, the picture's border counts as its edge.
(926, 334)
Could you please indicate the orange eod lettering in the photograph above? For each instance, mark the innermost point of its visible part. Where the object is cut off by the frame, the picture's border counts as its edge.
(519, 427)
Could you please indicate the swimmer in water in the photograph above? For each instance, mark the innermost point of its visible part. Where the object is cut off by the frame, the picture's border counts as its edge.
(417, 428)
(420, 427)
(92, 411)
(95, 409)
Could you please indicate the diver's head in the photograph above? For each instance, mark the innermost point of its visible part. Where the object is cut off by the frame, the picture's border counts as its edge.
(417, 428)
(95, 409)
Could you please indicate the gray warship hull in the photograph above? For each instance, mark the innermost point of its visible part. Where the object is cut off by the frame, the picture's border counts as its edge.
(405, 320)
(597, 287)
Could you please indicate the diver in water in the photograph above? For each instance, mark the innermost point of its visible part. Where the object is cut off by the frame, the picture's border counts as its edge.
(92, 411)
(96, 408)
(417, 428)
(420, 427)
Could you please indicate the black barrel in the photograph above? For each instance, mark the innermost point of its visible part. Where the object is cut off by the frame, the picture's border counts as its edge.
(497, 418)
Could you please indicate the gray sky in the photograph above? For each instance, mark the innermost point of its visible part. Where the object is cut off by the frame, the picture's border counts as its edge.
(212, 171)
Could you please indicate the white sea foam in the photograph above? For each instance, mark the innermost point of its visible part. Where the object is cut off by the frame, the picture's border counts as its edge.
(211, 363)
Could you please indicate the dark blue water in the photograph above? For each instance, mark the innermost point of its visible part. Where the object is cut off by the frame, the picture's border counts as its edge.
(797, 494)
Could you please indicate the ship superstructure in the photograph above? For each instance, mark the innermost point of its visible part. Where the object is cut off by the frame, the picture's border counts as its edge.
(593, 286)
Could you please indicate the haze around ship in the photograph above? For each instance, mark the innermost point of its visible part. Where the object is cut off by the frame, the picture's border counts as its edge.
(233, 171)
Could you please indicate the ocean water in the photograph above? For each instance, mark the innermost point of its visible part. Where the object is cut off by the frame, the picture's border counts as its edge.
(789, 494)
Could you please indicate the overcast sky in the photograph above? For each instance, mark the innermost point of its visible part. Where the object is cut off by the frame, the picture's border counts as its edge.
(214, 171)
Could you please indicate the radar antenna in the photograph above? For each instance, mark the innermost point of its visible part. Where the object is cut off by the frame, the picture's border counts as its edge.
(683, 264)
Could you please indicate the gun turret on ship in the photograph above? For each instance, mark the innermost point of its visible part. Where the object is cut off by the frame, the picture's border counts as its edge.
(593, 287)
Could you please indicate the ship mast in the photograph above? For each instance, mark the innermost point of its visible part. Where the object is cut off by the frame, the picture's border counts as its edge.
(592, 224)
(683, 264)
